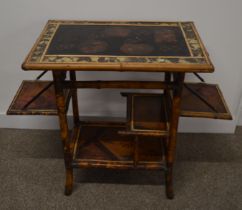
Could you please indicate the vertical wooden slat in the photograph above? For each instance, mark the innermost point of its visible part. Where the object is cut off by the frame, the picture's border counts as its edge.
(167, 99)
(175, 113)
(74, 99)
(61, 107)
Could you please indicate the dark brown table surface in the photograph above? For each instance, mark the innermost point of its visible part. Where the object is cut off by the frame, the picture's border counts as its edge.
(119, 46)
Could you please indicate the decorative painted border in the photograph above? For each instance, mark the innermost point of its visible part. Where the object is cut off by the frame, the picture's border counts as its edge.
(38, 53)
(43, 43)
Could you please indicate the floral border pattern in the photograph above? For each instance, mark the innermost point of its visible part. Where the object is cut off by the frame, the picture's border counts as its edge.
(38, 54)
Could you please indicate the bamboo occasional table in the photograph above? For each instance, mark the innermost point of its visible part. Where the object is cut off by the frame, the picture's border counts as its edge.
(146, 138)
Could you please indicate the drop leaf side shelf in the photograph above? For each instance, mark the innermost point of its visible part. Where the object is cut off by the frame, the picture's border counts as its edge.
(207, 102)
(139, 141)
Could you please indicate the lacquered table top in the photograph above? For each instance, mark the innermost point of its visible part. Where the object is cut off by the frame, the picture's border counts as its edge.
(119, 46)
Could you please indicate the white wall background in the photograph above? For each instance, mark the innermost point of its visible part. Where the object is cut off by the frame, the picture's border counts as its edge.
(218, 21)
(240, 114)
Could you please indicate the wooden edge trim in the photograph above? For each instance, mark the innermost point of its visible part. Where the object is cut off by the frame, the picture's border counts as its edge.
(88, 163)
(118, 84)
(120, 67)
(222, 116)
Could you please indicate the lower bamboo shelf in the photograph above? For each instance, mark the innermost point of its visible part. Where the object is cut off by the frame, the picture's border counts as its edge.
(102, 146)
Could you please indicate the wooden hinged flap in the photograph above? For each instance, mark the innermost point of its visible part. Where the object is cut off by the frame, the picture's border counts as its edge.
(44, 104)
(205, 101)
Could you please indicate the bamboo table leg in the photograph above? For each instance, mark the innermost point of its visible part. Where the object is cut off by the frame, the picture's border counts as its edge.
(167, 95)
(74, 99)
(171, 147)
(60, 102)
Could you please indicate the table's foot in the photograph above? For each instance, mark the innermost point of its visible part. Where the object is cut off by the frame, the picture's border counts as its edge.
(68, 191)
(69, 181)
(169, 185)
(169, 192)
